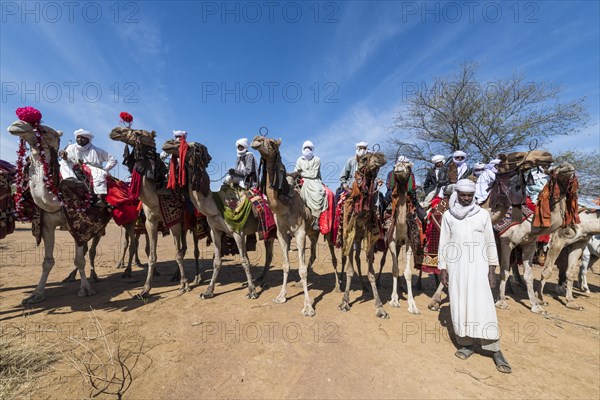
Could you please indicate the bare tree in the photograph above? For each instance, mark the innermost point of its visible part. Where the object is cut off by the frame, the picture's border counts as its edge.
(460, 112)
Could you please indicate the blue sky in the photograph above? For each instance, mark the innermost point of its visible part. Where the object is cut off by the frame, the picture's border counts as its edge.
(331, 72)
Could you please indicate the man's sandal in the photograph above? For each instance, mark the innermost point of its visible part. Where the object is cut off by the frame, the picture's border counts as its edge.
(464, 353)
(501, 364)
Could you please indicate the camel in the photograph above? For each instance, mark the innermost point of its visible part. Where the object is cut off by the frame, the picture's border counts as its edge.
(52, 212)
(525, 235)
(293, 218)
(143, 141)
(399, 238)
(360, 225)
(577, 238)
(205, 204)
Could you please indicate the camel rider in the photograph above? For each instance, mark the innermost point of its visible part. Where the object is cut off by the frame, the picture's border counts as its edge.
(178, 135)
(347, 177)
(458, 168)
(536, 179)
(478, 169)
(485, 181)
(84, 152)
(437, 176)
(244, 174)
(313, 193)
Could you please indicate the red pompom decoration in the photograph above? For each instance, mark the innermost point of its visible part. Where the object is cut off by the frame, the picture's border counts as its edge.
(29, 115)
(126, 117)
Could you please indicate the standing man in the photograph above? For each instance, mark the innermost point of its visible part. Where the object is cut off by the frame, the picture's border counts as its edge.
(467, 259)
(84, 152)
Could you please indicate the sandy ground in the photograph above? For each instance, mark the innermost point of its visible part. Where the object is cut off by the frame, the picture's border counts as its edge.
(180, 346)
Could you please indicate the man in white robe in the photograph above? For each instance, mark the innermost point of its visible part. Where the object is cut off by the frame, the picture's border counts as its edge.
(312, 192)
(467, 259)
(83, 151)
(485, 181)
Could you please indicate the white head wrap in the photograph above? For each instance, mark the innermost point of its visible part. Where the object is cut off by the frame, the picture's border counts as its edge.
(178, 134)
(459, 153)
(244, 143)
(458, 210)
(84, 133)
(403, 159)
(437, 158)
(361, 152)
(308, 150)
(465, 186)
(492, 164)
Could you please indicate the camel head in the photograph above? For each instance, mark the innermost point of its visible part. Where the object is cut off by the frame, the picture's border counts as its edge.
(133, 137)
(371, 162)
(268, 148)
(402, 170)
(564, 173)
(25, 131)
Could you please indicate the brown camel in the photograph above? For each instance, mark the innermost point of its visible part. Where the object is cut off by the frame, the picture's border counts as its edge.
(292, 216)
(52, 212)
(143, 143)
(204, 202)
(577, 238)
(525, 235)
(399, 237)
(361, 223)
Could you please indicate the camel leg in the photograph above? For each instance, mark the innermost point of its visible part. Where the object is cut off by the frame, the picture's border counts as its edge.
(240, 240)
(505, 250)
(138, 263)
(198, 277)
(528, 252)
(394, 300)
(131, 245)
(85, 288)
(357, 251)
(152, 229)
(345, 305)
(217, 262)
(72, 277)
(92, 256)
(334, 261)
(47, 264)
(412, 305)
(574, 255)
(121, 263)
(381, 264)
(182, 247)
(307, 310)
(585, 262)
(556, 246)
(261, 281)
(436, 300)
(419, 285)
(179, 239)
(285, 247)
(379, 311)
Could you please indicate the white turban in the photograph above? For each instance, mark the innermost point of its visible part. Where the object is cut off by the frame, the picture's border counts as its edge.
(242, 142)
(465, 186)
(308, 143)
(459, 153)
(180, 134)
(437, 158)
(479, 165)
(403, 159)
(495, 161)
(362, 144)
(84, 133)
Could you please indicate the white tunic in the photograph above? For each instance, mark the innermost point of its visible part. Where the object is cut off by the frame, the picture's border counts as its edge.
(484, 181)
(466, 250)
(312, 191)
